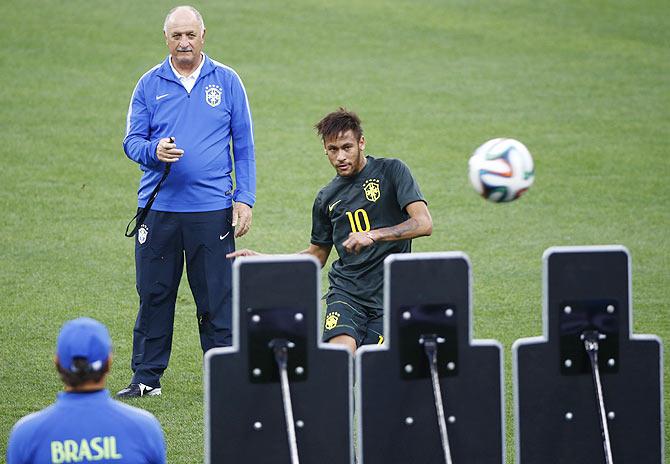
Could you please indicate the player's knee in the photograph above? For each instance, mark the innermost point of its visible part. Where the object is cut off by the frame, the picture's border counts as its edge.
(345, 340)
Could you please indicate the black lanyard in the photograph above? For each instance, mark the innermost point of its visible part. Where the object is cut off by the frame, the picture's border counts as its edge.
(142, 213)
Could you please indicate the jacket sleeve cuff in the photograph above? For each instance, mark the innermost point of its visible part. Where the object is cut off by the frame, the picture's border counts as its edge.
(244, 197)
(152, 152)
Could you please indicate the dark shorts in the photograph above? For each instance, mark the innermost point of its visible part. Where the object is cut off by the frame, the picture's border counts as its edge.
(346, 317)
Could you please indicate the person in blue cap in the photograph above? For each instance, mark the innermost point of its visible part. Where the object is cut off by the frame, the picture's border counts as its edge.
(85, 424)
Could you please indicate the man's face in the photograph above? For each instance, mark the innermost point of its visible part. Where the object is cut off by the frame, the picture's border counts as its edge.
(184, 39)
(345, 153)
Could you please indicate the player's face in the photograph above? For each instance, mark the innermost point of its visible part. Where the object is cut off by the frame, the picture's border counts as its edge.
(345, 153)
(184, 40)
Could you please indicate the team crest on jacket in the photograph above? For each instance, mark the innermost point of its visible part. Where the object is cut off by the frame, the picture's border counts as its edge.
(213, 95)
(371, 189)
(142, 234)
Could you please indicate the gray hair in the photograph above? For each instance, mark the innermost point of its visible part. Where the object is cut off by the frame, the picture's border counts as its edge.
(197, 14)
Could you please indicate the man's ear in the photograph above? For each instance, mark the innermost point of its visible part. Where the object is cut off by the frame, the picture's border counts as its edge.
(361, 143)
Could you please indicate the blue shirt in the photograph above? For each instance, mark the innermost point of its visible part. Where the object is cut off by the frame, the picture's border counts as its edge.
(203, 122)
(87, 427)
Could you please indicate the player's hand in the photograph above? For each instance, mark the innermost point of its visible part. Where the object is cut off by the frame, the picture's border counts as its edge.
(241, 218)
(357, 241)
(167, 151)
(242, 252)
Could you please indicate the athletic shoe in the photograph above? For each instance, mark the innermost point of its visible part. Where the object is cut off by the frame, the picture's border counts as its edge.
(136, 390)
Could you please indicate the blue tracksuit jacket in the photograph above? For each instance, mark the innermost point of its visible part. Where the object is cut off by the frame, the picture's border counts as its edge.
(203, 124)
(87, 427)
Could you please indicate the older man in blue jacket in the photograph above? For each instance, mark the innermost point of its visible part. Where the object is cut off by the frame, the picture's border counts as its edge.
(184, 115)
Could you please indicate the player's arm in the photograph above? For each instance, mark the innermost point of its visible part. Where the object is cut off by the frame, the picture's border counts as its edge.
(137, 143)
(320, 252)
(244, 195)
(419, 224)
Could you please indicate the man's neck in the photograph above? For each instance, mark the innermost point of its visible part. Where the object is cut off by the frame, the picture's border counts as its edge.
(186, 71)
(86, 387)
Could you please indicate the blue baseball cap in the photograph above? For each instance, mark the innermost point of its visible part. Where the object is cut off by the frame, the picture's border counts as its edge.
(83, 338)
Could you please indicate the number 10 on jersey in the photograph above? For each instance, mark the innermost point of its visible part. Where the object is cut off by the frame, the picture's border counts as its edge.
(359, 220)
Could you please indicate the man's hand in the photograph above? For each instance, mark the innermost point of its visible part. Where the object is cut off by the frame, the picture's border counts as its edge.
(243, 252)
(167, 151)
(357, 241)
(241, 219)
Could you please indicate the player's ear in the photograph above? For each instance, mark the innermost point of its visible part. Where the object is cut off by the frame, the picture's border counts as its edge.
(361, 143)
(204, 31)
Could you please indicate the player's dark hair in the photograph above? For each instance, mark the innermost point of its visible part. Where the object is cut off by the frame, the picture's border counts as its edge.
(339, 122)
(81, 373)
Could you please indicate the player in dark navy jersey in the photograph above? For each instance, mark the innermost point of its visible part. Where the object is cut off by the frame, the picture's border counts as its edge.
(371, 209)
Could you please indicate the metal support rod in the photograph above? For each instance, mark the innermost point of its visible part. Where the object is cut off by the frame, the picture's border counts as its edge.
(591, 339)
(429, 343)
(280, 348)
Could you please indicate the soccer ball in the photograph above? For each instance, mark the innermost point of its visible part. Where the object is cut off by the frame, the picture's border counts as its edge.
(501, 170)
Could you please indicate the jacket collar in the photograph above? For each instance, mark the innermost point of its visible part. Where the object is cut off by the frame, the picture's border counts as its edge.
(165, 71)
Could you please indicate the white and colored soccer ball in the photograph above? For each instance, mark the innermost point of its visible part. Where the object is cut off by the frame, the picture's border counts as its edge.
(501, 170)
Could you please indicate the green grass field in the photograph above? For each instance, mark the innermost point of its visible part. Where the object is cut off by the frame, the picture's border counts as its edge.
(584, 84)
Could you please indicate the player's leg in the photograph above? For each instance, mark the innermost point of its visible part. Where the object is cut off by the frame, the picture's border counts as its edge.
(159, 263)
(346, 340)
(344, 322)
(208, 237)
(375, 328)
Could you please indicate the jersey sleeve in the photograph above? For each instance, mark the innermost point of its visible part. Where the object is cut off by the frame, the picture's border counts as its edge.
(19, 441)
(243, 145)
(137, 143)
(156, 442)
(407, 189)
(322, 229)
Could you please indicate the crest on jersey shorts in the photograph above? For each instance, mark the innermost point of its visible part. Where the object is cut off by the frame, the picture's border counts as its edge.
(213, 95)
(371, 189)
(142, 234)
(331, 320)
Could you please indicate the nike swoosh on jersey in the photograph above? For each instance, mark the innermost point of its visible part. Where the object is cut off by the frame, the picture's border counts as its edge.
(221, 237)
(330, 207)
(158, 97)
